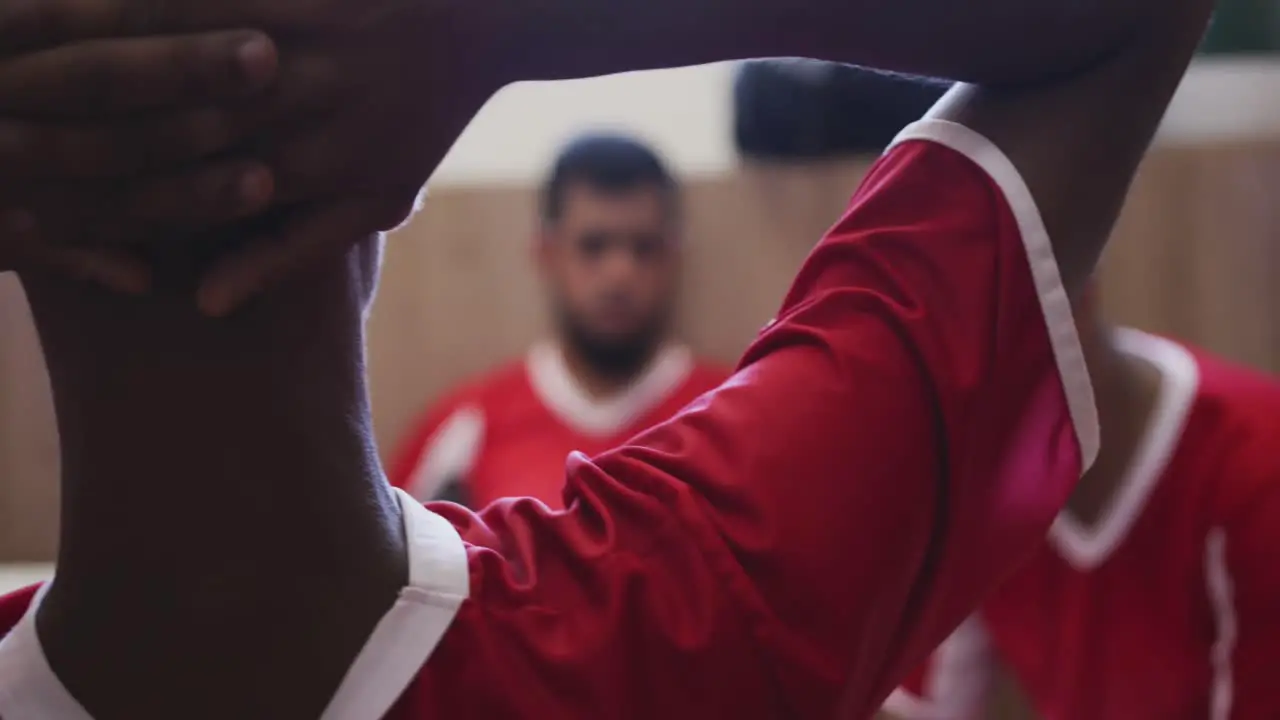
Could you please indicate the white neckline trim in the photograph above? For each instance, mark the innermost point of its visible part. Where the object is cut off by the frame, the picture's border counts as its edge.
(1088, 546)
(554, 384)
(29, 690)
(395, 653)
(1054, 303)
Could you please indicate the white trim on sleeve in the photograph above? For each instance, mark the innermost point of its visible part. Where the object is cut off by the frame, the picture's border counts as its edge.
(1054, 303)
(404, 639)
(29, 689)
(1226, 625)
(398, 648)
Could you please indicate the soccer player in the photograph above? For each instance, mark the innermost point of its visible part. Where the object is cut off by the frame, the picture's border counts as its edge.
(790, 545)
(1156, 592)
(609, 256)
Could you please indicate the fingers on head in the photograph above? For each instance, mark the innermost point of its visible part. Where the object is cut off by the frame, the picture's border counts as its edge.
(30, 24)
(114, 270)
(25, 248)
(206, 195)
(305, 238)
(148, 210)
(199, 67)
(128, 75)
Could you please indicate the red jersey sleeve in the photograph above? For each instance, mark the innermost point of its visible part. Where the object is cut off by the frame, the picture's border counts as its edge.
(797, 540)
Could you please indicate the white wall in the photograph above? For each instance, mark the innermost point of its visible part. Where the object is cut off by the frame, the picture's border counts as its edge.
(14, 577)
(686, 114)
(1225, 99)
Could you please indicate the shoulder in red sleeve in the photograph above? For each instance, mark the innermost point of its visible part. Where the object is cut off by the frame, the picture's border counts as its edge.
(706, 375)
(797, 540)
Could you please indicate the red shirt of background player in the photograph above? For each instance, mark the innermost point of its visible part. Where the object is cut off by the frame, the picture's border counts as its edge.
(797, 540)
(508, 433)
(1167, 607)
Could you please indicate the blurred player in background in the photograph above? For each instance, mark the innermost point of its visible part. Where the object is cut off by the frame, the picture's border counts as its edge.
(609, 256)
(1157, 593)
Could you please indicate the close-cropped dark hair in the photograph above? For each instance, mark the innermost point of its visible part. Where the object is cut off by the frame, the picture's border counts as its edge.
(609, 163)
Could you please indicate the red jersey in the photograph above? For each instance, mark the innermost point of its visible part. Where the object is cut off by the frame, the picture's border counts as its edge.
(794, 542)
(1166, 608)
(508, 434)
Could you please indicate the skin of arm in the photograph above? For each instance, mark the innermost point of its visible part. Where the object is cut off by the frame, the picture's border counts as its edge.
(992, 42)
(1063, 60)
(1071, 92)
(1078, 141)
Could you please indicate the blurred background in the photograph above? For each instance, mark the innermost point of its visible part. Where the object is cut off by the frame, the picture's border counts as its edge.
(1194, 256)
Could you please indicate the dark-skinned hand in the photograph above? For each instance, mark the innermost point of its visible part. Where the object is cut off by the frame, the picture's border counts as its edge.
(369, 97)
(98, 140)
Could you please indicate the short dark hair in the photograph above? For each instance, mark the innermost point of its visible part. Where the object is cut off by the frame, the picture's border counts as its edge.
(608, 162)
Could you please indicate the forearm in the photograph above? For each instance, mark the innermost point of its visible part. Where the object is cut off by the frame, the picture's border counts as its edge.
(987, 41)
(1077, 142)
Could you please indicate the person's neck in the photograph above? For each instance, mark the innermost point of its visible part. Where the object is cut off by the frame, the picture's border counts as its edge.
(599, 383)
(221, 492)
(1126, 389)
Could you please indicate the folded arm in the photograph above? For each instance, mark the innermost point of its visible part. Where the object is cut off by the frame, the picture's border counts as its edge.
(898, 440)
(990, 41)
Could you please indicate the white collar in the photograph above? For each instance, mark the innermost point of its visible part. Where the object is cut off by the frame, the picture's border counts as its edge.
(392, 657)
(1088, 546)
(560, 392)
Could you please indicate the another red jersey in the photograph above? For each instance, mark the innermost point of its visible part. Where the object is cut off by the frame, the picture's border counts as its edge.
(794, 542)
(508, 434)
(1168, 607)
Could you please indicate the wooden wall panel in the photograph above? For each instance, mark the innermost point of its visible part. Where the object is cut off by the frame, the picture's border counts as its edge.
(28, 441)
(1197, 250)
(1195, 255)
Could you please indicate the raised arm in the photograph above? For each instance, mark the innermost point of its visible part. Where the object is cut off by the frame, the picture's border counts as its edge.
(1071, 92)
(989, 41)
(1076, 141)
(894, 444)
(349, 172)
